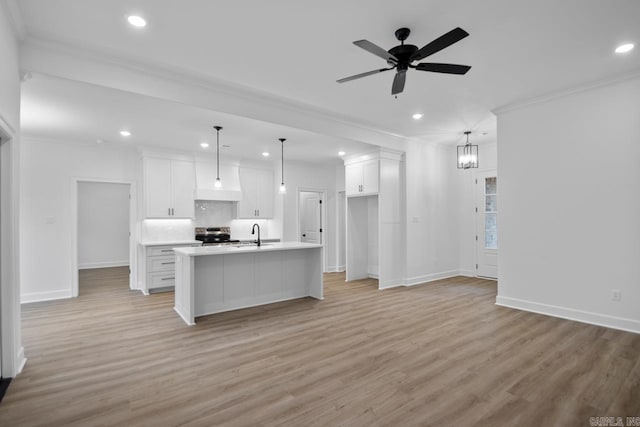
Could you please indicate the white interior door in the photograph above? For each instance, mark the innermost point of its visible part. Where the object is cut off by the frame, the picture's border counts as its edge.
(487, 224)
(310, 217)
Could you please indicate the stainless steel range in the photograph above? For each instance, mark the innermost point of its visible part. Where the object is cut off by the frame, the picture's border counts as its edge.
(210, 236)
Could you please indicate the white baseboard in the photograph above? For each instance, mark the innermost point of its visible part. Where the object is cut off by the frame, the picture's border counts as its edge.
(45, 296)
(624, 324)
(336, 269)
(21, 360)
(412, 281)
(466, 273)
(103, 264)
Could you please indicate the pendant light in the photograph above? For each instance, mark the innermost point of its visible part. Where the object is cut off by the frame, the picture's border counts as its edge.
(283, 189)
(218, 183)
(467, 154)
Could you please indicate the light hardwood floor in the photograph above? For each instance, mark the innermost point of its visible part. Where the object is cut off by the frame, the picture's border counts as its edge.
(436, 354)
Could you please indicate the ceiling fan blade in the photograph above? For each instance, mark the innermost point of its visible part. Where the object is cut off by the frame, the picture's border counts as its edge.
(440, 43)
(398, 82)
(368, 73)
(443, 68)
(376, 50)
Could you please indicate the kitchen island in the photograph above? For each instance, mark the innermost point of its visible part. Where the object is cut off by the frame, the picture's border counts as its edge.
(213, 279)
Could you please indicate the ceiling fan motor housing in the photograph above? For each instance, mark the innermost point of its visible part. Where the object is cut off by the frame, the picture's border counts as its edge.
(404, 52)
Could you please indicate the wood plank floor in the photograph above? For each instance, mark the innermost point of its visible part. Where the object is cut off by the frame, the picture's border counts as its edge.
(435, 354)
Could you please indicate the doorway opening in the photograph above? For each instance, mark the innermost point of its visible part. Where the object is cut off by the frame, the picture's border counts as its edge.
(486, 184)
(311, 219)
(103, 240)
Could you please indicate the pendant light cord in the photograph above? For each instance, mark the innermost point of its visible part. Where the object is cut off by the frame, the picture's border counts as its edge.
(282, 140)
(217, 128)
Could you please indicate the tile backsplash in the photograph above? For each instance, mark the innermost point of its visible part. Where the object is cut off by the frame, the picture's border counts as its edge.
(210, 213)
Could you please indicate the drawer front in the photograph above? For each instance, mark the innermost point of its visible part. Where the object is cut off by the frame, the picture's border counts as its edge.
(160, 280)
(160, 250)
(161, 263)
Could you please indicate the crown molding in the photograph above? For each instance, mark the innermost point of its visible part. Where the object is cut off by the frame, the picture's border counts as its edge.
(191, 78)
(12, 8)
(566, 92)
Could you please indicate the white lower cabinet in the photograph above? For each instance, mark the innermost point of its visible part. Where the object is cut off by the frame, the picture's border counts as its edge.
(158, 267)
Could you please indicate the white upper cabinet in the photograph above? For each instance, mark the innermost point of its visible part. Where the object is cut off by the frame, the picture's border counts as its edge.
(362, 178)
(168, 187)
(257, 194)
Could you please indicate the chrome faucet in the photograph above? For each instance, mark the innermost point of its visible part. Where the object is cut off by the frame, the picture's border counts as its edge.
(253, 231)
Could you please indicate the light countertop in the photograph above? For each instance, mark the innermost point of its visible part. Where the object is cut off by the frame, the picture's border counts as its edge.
(231, 249)
(171, 242)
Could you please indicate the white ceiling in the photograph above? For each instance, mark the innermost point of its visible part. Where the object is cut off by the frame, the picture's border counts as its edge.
(60, 109)
(296, 50)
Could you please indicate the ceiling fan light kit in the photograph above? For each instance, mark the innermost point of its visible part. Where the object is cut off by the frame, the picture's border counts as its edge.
(401, 57)
(467, 154)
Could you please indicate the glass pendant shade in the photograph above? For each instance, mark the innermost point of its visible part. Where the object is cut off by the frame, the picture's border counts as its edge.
(467, 155)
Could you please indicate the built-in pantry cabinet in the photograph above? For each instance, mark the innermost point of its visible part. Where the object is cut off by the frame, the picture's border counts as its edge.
(168, 188)
(374, 217)
(362, 178)
(257, 194)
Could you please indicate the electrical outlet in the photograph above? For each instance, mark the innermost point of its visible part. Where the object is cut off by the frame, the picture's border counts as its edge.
(616, 295)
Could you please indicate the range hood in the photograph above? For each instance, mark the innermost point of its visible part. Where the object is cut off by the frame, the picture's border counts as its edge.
(206, 178)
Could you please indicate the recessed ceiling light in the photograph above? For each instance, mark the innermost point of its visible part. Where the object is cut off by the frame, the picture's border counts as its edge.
(265, 154)
(417, 116)
(137, 21)
(624, 48)
(125, 133)
(341, 153)
(204, 145)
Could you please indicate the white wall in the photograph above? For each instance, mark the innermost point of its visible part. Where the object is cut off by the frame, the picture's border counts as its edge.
(103, 224)
(309, 176)
(9, 73)
(49, 171)
(12, 357)
(487, 155)
(569, 189)
(432, 212)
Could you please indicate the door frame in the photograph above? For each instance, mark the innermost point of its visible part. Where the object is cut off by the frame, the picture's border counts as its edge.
(12, 358)
(478, 199)
(341, 231)
(323, 219)
(133, 236)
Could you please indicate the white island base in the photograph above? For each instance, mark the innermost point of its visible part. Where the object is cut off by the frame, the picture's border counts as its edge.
(215, 279)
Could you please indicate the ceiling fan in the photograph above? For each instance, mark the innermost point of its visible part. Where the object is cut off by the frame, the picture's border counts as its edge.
(402, 57)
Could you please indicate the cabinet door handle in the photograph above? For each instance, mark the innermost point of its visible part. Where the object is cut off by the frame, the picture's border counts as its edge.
(168, 278)
(166, 250)
(165, 263)
(258, 212)
(172, 213)
(169, 211)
